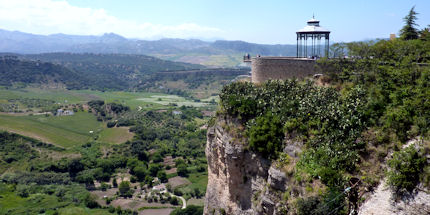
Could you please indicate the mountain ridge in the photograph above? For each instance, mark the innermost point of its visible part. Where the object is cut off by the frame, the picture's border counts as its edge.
(166, 48)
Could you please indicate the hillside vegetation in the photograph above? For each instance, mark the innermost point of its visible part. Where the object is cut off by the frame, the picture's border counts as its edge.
(84, 71)
(75, 160)
(372, 105)
(15, 71)
(113, 72)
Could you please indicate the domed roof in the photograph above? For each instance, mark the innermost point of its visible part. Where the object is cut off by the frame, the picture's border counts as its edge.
(313, 27)
(313, 20)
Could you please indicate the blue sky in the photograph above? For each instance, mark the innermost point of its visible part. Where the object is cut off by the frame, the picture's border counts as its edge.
(263, 21)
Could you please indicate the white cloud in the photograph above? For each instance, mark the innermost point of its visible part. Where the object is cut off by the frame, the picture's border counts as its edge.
(50, 16)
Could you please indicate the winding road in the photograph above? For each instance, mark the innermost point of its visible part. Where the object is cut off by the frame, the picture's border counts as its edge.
(184, 202)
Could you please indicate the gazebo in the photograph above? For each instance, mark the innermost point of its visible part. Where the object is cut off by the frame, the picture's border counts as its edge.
(314, 32)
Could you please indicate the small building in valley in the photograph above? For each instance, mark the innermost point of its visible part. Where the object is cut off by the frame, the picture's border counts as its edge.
(160, 188)
(61, 112)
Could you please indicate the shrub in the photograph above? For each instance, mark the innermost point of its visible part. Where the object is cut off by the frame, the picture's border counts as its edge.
(330, 203)
(266, 135)
(140, 173)
(162, 176)
(104, 186)
(182, 170)
(190, 210)
(90, 201)
(174, 201)
(124, 188)
(157, 158)
(177, 192)
(22, 190)
(111, 124)
(406, 167)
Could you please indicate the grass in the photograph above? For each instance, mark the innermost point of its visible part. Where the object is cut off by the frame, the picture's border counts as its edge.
(65, 131)
(10, 203)
(134, 100)
(73, 210)
(168, 99)
(59, 96)
(115, 135)
(198, 180)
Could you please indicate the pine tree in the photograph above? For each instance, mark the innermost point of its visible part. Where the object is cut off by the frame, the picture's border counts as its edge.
(409, 32)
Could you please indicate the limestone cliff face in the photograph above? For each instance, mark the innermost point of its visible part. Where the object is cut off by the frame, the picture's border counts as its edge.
(240, 182)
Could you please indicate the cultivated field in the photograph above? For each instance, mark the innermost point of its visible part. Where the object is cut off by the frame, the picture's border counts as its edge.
(64, 131)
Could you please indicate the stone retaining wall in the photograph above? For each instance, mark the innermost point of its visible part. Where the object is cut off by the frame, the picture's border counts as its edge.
(274, 68)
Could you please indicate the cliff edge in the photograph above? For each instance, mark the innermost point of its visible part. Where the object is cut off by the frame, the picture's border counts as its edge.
(239, 181)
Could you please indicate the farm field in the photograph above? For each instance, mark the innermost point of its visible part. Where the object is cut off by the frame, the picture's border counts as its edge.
(134, 100)
(115, 135)
(64, 131)
(169, 99)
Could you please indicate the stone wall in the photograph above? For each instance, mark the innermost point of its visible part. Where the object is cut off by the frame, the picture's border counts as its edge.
(273, 68)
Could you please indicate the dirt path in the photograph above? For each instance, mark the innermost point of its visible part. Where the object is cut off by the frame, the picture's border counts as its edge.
(184, 202)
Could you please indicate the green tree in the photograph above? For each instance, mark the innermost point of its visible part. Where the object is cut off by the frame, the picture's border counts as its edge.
(140, 173)
(174, 201)
(153, 169)
(425, 34)
(338, 50)
(148, 180)
(157, 158)
(162, 176)
(86, 177)
(182, 170)
(409, 31)
(124, 187)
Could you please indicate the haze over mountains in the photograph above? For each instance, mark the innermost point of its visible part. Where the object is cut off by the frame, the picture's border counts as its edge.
(218, 53)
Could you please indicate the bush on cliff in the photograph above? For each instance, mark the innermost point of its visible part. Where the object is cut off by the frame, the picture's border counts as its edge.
(266, 135)
(406, 167)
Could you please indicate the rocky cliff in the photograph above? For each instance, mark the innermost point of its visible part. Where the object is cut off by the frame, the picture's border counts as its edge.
(240, 181)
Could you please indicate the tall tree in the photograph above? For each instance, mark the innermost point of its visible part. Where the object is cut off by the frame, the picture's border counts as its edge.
(425, 34)
(409, 32)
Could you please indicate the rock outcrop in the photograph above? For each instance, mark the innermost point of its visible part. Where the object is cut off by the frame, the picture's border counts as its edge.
(239, 181)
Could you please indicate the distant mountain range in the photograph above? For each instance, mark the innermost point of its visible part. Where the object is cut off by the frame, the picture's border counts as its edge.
(214, 54)
(84, 71)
